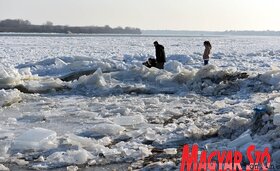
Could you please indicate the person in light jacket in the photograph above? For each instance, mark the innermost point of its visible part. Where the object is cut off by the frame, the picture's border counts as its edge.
(207, 51)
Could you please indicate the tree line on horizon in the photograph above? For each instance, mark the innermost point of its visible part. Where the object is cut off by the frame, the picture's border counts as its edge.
(25, 26)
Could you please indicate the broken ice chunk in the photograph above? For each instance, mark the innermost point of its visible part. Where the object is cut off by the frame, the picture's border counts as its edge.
(145, 151)
(236, 122)
(103, 129)
(4, 168)
(150, 135)
(276, 156)
(72, 168)
(59, 63)
(241, 140)
(276, 119)
(129, 120)
(4, 147)
(79, 141)
(71, 157)
(219, 104)
(19, 162)
(221, 145)
(193, 131)
(136, 133)
(35, 139)
(271, 77)
(274, 105)
(94, 80)
(8, 97)
(171, 151)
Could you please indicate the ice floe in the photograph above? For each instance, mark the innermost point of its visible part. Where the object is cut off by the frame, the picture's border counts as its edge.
(35, 139)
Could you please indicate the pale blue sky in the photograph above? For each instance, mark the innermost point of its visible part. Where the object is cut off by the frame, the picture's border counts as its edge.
(211, 15)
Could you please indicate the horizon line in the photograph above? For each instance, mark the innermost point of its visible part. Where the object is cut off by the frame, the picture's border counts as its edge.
(175, 30)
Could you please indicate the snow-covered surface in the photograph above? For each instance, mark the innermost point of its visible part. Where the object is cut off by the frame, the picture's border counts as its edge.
(122, 112)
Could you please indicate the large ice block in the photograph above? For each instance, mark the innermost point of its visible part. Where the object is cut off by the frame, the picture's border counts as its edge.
(276, 119)
(80, 156)
(241, 140)
(103, 129)
(3, 168)
(8, 97)
(35, 139)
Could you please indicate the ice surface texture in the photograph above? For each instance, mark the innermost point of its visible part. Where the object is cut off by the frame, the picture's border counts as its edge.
(35, 139)
(89, 101)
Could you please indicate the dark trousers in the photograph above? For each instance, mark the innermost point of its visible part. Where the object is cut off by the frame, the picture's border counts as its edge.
(160, 65)
(206, 62)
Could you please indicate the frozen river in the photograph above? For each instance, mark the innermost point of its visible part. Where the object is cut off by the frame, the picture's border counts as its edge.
(126, 114)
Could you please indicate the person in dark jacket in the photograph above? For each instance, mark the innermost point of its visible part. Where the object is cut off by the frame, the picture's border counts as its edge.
(151, 62)
(160, 55)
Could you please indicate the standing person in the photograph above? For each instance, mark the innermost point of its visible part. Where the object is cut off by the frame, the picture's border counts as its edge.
(160, 55)
(207, 51)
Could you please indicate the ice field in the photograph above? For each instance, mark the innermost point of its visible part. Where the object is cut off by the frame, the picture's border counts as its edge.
(87, 102)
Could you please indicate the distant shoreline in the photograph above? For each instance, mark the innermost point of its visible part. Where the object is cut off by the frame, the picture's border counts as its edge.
(96, 35)
(25, 26)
